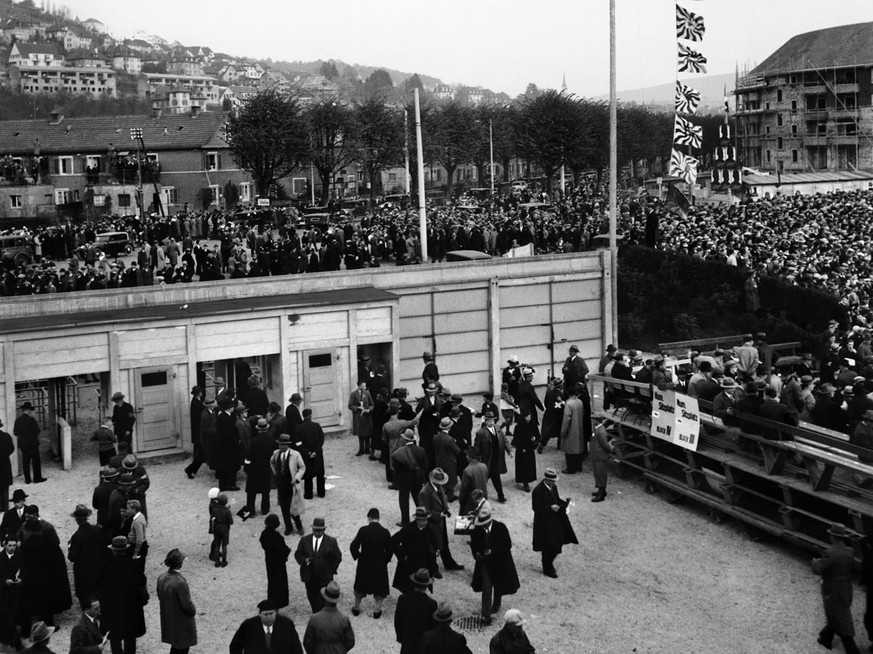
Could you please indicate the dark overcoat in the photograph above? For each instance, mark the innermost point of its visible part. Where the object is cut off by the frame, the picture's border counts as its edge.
(444, 640)
(250, 638)
(275, 556)
(261, 448)
(178, 626)
(45, 587)
(86, 552)
(500, 565)
(226, 455)
(525, 440)
(412, 618)
(414, 548)
(551, 529)
(120, 584)
(6, 450)
(483, 444)
(836, 566)
(371, 548)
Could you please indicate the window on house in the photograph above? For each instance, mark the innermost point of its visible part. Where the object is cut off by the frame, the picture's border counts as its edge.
(779, 95)
(779, 143)
(215, 191)
(298, 185)
(124, 199)
(768, 156)
(213, 161)
(794, 156)
(794, 129)
(170, 195)
(62, 196)
(245, 192)
(779, 120)
(15, 202)
(64, 166)
(92, 161)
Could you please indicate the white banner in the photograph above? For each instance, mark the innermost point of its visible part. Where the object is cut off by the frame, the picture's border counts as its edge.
(675, 418)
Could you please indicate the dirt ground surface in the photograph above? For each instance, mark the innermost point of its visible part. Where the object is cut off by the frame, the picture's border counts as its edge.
(647, 576)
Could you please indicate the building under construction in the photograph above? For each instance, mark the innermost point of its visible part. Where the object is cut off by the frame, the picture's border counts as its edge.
(809, 105)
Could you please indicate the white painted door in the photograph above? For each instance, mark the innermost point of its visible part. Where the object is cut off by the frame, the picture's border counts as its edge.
(322, 387)
(155, 418)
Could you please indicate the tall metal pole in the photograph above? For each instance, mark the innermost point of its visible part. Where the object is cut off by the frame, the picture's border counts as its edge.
(407, 179)
(491, 148)
(613, 174)
(422, 212)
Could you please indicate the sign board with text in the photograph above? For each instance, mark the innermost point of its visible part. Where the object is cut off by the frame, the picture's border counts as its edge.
(675, 418)
(263, 202)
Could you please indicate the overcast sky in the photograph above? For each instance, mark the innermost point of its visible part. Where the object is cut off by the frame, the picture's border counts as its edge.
(498, 44)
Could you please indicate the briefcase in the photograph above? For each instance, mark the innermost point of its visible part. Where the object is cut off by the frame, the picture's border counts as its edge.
(464, 525)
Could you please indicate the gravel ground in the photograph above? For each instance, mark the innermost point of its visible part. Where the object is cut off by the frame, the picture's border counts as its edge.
(648, 576)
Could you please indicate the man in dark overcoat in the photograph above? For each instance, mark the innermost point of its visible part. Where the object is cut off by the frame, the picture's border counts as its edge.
(319, 557)
(267, 632)
(329, 630)
(101, 495)
(551, 526)
(429, 407)
(120, 588)
(86, 553)
(6, 450)
(257, 466)
(11, 615)
(415, 547)
(495, 574)
(442, 639)
(87, 637)
(433, 499)
(414, 613)
(178, 613)
(26, 430)
(312, 438)
(446, 451)
(836, 567)
(226, 455)
(13, 518)
(409, 465)
(371, 548)
(294, 412)
(123, 418)
(45, 588)
(527, 399)
(491, 444)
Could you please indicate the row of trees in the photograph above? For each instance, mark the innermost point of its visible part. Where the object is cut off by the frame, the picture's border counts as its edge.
(274, 134)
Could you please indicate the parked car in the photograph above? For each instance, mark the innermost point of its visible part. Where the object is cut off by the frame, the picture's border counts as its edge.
(467, 255)
(113, 243)
(17, 248)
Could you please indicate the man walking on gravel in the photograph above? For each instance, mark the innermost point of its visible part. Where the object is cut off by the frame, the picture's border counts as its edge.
(836, 567)
(551, 527)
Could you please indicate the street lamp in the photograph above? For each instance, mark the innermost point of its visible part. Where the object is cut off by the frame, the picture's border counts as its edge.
(136, 135)
(491, 149)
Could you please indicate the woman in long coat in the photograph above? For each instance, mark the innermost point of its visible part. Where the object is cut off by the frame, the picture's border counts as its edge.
(525, 441)
(371, 548)
(178, 626)
(45, 587)
(275, 556)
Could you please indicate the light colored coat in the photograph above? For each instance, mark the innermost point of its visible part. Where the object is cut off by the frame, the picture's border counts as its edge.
(572, 427)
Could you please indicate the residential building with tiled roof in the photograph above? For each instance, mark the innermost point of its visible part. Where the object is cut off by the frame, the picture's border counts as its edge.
(36, 54)
(94, 160)
(809, 106)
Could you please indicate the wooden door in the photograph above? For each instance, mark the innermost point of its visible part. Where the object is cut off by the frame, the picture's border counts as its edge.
(322, 387)
(155, 416)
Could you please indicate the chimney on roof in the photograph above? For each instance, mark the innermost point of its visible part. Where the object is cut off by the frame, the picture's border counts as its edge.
(195, 110)
(55, 116)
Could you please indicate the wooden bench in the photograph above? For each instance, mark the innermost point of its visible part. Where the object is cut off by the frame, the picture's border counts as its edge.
(678, 348)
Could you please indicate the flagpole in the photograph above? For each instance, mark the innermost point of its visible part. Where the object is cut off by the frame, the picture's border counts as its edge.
(422, 212)
(613, 176)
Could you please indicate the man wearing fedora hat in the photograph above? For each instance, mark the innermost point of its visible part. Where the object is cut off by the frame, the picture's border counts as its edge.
(493, 449)
(289, 470)
(430, 373)
(409, 464)
(495, 574)
(257, 468)
(45, 587)
(26, 430)
(226, 450)
(319, 557)
(120, 587)
(310, 434)
(433, 498)
(415, 547)
(12, 617)
(205, 439)
(6, 450)
(414, 613)
(329, 630)
(267, 632)
(446, 453)
(836, 567)
(392, 434)
(429, 409)
(13, 518)
(551, 526)
(442, 639)
(123, 417)
(294, 412)
(40, 634)
(86, 553)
